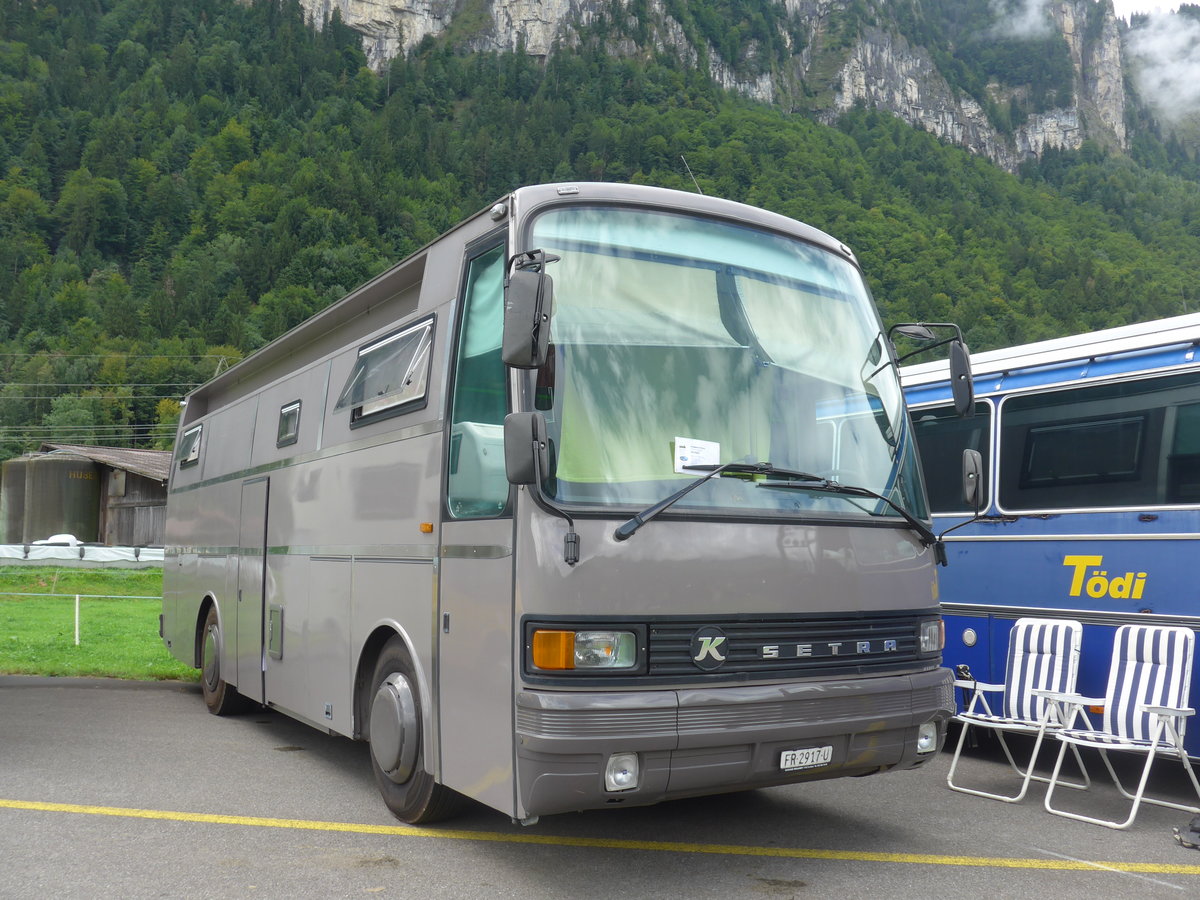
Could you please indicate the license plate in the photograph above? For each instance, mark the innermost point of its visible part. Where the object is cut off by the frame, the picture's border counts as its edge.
(808, 758)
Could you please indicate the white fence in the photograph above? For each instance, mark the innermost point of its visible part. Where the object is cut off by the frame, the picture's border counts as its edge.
(82, 555)
(78, 597)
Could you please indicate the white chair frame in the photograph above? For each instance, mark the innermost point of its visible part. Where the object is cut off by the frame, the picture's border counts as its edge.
(1043, 657)
(1145, 711)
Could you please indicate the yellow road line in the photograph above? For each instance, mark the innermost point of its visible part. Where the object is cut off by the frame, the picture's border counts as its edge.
(607, 843)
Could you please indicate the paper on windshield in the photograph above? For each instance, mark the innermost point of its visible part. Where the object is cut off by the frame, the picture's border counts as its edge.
(695, 452)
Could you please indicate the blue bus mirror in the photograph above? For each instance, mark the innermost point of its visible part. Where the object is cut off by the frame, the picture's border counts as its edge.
(962, 385)
(526, 447)
(972, 477)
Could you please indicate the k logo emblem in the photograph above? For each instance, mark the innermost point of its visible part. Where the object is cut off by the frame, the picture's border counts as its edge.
(709, 648)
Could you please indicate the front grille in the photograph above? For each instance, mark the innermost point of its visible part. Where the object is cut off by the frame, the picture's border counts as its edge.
(597, 723)
(767, 647)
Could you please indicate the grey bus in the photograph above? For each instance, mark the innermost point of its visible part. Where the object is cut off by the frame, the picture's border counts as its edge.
(607, 496)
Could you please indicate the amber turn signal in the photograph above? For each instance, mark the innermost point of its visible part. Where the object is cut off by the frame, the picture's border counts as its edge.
(554, 649)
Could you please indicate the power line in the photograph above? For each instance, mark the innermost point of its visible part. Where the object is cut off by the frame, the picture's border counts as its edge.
(128, 425)
(95, 397)
(109, 439)
(49, 354)
(131, 438)
(93, 384)
(107, 430)
(132, 441)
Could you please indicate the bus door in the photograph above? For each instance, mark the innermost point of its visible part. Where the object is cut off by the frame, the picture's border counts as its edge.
(251, 594)
(475, 577)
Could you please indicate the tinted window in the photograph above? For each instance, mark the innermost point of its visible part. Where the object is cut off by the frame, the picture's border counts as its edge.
(1053, 457)
(1135, 443)
(942, 436)
(1183, 464)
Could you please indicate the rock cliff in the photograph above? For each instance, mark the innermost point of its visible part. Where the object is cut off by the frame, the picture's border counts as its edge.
(877, 67)
(884, 71)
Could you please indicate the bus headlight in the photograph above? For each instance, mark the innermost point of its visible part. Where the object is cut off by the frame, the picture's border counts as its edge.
(554, 650)
(621, 772)
(932, 636)
(927, 736)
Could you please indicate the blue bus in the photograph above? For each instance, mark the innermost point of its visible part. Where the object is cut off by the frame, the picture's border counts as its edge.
(1091, 504)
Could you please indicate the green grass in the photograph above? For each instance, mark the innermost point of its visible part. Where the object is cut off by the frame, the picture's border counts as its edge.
(118, 627)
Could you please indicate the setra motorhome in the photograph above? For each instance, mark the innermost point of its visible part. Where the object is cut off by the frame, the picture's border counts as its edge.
(607, 496)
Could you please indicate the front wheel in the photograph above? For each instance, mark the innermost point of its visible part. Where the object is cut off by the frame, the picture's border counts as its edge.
(394, 733)
(221, 698)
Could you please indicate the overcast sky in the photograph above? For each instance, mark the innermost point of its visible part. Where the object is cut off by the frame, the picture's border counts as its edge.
(1125, 7)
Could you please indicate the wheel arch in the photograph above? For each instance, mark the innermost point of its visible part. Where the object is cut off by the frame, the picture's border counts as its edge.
(371, 649)
(206, 604)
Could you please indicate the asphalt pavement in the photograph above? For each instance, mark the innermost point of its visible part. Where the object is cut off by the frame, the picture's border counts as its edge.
(130, 790)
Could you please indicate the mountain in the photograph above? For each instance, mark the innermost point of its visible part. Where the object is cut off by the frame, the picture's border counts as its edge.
(1004, 81)
(181, 182)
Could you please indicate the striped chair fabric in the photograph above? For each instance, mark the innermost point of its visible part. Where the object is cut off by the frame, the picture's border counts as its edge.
(1043, 655)
(1151, 668)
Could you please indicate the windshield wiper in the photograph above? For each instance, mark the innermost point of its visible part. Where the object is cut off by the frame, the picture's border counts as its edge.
(625, 532)
(807, 482)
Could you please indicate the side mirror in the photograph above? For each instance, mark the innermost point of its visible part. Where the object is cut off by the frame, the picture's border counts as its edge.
(962, 385)
(916, 331)
(972, 479)
(528, 304)
(526, 447)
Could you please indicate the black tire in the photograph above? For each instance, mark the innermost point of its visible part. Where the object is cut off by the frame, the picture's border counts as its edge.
(221, 698)
(394, 704)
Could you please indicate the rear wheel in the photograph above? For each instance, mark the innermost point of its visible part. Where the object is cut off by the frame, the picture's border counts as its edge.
(220, 697)
(394, 733)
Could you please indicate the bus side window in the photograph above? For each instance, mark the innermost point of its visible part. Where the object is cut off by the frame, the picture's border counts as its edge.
(289, 424)
(390, 377)
(1119, 444)
(1183, 463)
(477, 485)
(188, 451)
(942, 436)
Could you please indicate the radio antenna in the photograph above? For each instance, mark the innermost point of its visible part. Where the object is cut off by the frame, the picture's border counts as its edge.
(693, 177)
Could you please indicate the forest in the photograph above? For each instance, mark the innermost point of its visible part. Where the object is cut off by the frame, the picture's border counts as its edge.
(182, 182)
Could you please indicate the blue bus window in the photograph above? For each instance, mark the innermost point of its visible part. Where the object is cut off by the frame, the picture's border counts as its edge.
(1134, 443)
(942, 436)
(1183, 465)
(1052, 452)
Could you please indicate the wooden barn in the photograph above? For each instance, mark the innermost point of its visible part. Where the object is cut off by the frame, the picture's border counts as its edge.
(132, 493)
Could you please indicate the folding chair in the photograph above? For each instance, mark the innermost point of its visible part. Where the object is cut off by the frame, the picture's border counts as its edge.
(1145, 711)
(1043, 655)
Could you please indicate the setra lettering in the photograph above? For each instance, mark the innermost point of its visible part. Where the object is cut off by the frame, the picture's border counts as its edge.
(1089, 578)
(834, 648)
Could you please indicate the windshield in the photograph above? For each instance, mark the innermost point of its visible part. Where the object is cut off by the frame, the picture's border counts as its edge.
(682, 341)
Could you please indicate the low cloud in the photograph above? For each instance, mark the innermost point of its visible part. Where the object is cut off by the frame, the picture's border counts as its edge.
(1021, 18)
(1165, 53)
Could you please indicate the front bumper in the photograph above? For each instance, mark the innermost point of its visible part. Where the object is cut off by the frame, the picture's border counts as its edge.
(692, 742)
